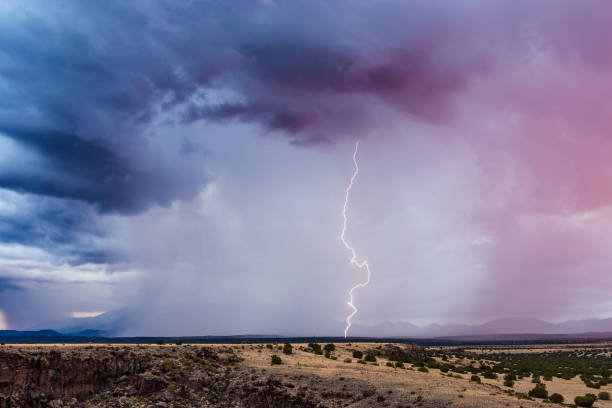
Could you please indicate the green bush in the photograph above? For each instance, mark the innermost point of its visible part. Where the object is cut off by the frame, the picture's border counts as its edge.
(370, 358)
(275, 360)
(357, 354)
(604, 396)
(539, 391)
(389, 364)
(269, 346)
(287, 348)
(348, 360)
(423, 370)
(490, 375)
(399, 364)
(160, 342)
(475, 378)
(368, 393)
(327, 354)
(329, 347)
(585, 401)
(2, 343)
(556, 398)
(509, 383)
(179, 343)
(316, 348)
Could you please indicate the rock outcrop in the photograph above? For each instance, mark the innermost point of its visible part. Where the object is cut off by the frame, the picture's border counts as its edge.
(36, 378)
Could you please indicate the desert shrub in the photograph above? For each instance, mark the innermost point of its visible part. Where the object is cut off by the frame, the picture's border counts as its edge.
(160, 342)
(329, 347)
(314, 346)
(275, 360)
(585, 401)
(604, 396)
(536, 379)
(423, 369)
(348, 360)
(547, 377)
(539, 391)
(556, 398)
(361, 362)
(509, 380)
(179, 343)
(475, 378)
(334, 357)
(269, 346)
(357, 354)
(490, 375)
(2, 343)
(389, 364)
(287, 348)
(327, 354)
(399, 364)
(370, 357)
(368, 393)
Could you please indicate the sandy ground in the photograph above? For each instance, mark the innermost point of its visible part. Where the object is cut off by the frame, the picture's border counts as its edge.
(408, 387)
(400, 387)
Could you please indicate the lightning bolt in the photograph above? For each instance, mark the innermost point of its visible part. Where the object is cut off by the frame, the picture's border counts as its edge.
(354, 259)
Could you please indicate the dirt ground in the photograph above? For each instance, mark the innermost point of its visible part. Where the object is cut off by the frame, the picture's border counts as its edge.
(339, 381)
(399, 387)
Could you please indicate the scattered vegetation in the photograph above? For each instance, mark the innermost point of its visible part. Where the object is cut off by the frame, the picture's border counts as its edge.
(316, 348)
(556, 398)
(287, 348)
(539, 391)
(275, 360)
(329, 347)
(370, 358)
(585, 401)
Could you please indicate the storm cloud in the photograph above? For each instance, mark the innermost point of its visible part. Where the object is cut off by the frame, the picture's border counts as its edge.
(174, 149)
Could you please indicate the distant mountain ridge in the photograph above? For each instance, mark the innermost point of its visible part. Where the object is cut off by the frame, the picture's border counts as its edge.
(509, 325)
(117, 323)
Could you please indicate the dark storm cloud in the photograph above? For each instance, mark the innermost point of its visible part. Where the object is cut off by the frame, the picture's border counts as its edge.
(86, 85)
(88, 171)
(65, 228)
(8, 284)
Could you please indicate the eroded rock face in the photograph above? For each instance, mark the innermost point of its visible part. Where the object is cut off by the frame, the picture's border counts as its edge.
(135, 376)
(404, 352)
(35, 379)
(274, 395)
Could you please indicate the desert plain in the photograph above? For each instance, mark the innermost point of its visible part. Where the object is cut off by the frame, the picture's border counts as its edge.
(247, 375)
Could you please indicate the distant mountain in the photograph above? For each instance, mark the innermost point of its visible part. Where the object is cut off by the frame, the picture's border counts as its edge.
(107, 324)
(120, 323)
(34, 333)
(511, 325)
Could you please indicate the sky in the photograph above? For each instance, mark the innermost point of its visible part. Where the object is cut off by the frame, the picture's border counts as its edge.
(183, 164)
